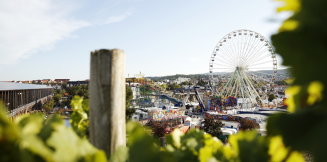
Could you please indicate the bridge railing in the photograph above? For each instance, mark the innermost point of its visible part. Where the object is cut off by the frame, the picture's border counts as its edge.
(25, 108)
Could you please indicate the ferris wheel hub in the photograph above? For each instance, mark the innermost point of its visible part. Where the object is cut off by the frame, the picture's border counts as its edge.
(241, 68)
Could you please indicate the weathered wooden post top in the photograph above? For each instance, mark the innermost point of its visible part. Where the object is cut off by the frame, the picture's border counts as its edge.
(107, 99)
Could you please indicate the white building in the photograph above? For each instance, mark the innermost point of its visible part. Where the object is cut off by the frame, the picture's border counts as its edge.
(139, 115)
(136, 91)
(180, 80)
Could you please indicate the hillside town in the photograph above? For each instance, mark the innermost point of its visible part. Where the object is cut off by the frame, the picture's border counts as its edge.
(180, 101)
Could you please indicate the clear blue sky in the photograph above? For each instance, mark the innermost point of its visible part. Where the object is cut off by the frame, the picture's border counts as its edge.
(52, 39)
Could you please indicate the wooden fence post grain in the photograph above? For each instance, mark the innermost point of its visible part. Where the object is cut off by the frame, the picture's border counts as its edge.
(107, 100)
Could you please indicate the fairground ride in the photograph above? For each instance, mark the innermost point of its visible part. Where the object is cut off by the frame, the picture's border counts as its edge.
(243, 65)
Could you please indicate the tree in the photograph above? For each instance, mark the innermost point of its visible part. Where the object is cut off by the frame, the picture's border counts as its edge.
(159, 129)
(271, 97)
(82, 91)
(64, 86)
(65, 103)
(129, 96)
(213, 126)
(185, 83)
(37, 106)
(247, 124)
(173, 86)
(47, 107)
(56, 99)
(281, 82)
(145, 89)
(202, 83)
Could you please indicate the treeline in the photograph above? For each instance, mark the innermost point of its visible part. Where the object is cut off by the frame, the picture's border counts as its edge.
(174, 77)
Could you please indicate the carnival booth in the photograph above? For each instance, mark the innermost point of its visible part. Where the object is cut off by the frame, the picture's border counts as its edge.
(230, 101)
(160, 114)
(168, 119)
(217, 103)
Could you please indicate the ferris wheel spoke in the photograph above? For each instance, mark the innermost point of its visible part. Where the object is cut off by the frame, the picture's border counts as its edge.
(239, 47)
(242, 44)
(227, 47)
(242, 39)
(232, 48)
(246, 45)
(232, 54)
(260, 56)
(225, 69)
(222, 66)
(228, 55)
(221, 61)
(225, 61)
(260, 68)
(261, 62)
(248, 50)
(253, 46)
(223, 46)
(235, 45)
(258, 48)
(262, 49)
(229, 64)
(254, 55)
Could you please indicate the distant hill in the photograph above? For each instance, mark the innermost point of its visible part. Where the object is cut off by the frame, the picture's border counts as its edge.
(173, 77)
(282, 73)
(279, 72)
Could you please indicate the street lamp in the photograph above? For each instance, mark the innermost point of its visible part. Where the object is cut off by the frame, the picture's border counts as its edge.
(21, 98)
(8, 106)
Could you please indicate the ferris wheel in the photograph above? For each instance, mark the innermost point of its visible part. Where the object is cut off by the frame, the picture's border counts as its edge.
(243, 65)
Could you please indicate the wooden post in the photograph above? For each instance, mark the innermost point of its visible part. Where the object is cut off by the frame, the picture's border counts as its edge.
(107, 100)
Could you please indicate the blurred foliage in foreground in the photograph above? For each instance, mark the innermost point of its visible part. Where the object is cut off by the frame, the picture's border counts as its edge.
(32, 138)
(198, 146)
(79, 120)
(302, 43)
